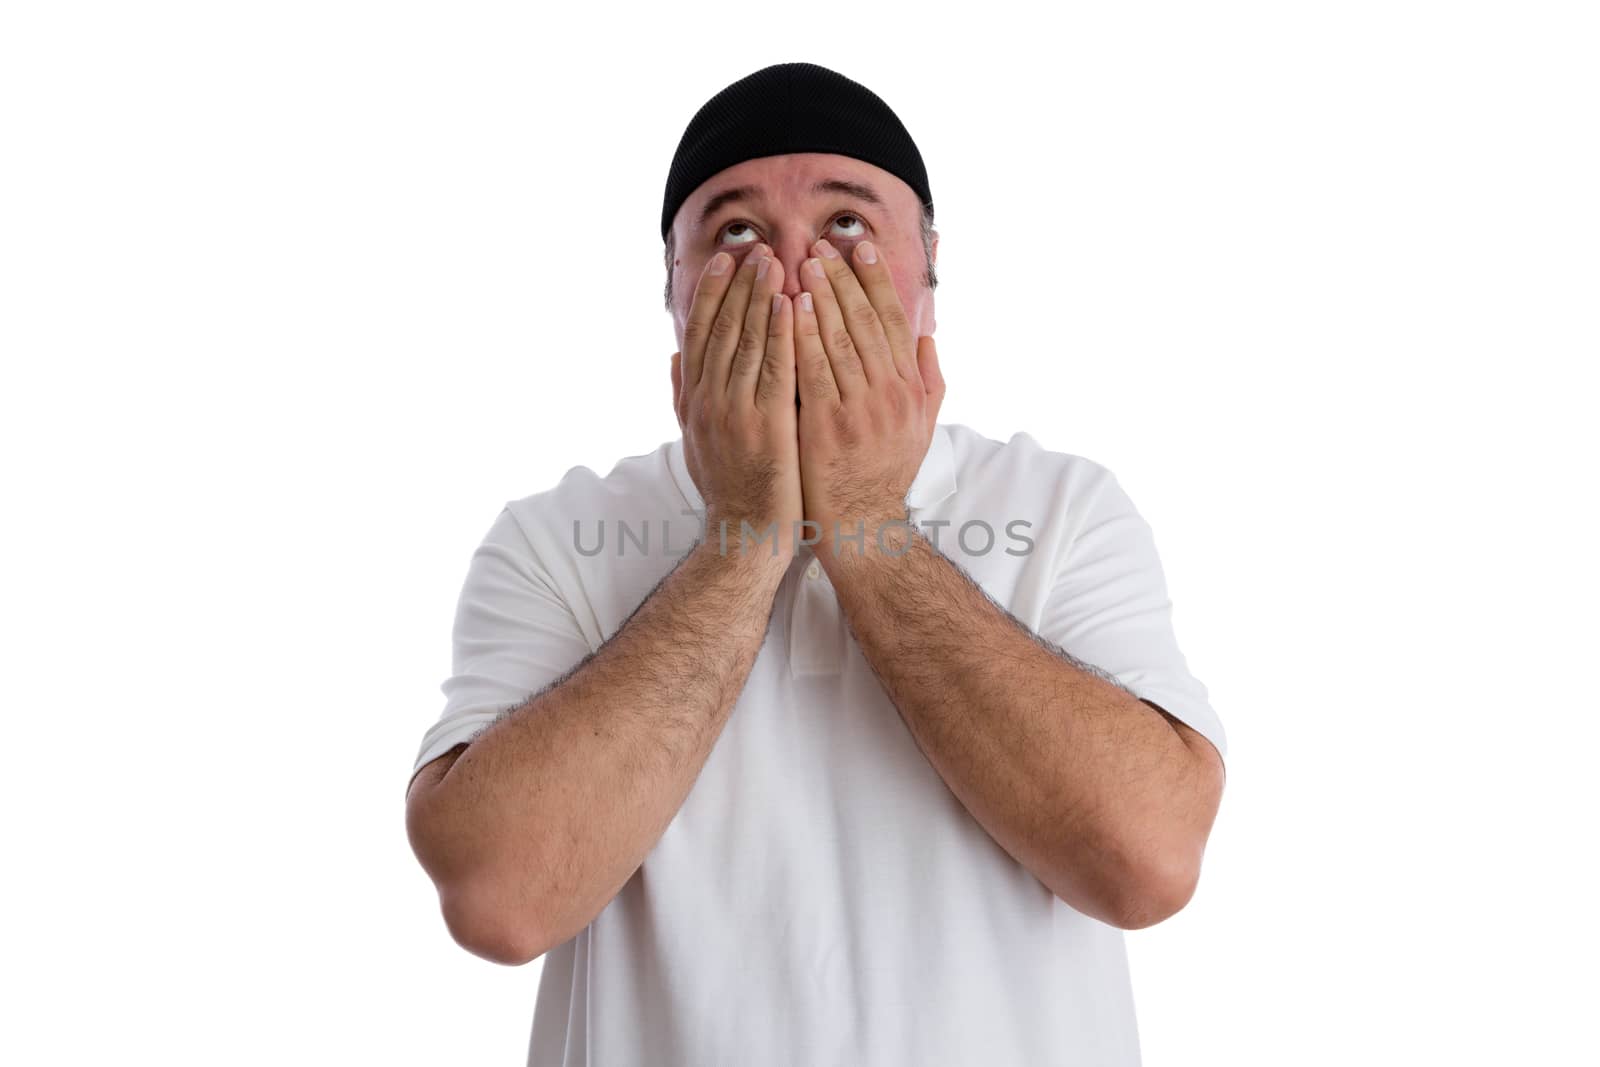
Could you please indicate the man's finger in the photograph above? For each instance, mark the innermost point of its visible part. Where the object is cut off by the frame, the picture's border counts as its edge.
(815, 373)
(849, 376)
(932, 379)
(856, 312)
(677, 387)
(755, 343)
(776, 381)
(708, 294)
(873, 275)
(722, 339)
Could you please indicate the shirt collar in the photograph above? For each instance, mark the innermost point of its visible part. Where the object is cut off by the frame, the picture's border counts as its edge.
(935, 480)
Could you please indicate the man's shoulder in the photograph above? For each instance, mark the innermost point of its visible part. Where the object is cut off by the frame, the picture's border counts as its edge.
(637, 487)
(1018, 462)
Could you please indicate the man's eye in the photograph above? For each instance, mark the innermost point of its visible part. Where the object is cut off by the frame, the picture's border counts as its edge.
(859, 226)
(738, 233)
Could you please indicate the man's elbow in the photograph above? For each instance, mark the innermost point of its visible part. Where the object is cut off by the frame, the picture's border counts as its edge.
(483, 916)
(489, 916)
(1155, 896)
(480, 922)
(1158, 882)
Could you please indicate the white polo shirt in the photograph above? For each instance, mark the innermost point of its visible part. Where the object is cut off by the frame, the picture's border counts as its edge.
(822, 897)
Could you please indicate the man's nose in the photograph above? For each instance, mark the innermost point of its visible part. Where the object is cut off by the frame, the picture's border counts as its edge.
(792, 252)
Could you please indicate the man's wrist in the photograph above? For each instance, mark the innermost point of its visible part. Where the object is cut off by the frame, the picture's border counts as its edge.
(756, 554)
(887, 535)
(741, 535)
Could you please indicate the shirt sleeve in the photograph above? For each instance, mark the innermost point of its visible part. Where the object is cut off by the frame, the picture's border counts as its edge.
(513, 635)
(1109, 608)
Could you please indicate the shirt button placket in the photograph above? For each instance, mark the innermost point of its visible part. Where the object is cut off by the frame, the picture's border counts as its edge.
(816, 626)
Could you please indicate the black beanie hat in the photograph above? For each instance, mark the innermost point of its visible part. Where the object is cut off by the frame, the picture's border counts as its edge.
(791, 107)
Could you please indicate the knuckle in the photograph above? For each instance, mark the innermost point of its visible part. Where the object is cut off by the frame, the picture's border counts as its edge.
(894, 318)
(878, 419)
(752, 340)
(721, 326)
(701, 417)
(818, 387)
(772, 363)
(750, 353)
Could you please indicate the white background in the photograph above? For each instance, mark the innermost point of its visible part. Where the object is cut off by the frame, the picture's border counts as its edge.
(295, 296)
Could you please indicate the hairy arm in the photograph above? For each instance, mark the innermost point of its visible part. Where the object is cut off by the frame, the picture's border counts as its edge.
(545, 816)
(1100, 795)
(1106, 799)
(534, 827)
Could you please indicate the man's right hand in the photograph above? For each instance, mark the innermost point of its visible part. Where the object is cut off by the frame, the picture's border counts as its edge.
(733, 386)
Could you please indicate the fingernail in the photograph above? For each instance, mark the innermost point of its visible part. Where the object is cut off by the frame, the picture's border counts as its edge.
(761, 268)
(867, 253)
(825, 249)
(777, 303)
(815, 267)
(719, 263)
(805, 299)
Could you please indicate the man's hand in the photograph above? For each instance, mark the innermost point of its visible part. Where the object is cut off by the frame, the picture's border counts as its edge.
(869, 395)
(733, 386)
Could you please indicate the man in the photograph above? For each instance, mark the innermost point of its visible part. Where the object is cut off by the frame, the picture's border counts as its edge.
(826, 733)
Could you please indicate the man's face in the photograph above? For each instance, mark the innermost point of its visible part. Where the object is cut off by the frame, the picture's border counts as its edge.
(788, 202)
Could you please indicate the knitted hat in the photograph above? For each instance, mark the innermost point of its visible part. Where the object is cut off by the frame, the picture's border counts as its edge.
(791, 107)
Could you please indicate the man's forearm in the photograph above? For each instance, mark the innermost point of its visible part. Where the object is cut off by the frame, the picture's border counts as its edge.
(1085, 785)
(549, 811)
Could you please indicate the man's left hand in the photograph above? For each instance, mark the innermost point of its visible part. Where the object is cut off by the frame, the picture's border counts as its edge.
(870, 391)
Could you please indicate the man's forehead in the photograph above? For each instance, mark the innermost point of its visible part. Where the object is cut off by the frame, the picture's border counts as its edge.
(752, 193)
(807, 175)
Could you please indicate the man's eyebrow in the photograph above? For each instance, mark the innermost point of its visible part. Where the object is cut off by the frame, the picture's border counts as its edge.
(859, 190)
(727, 196)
